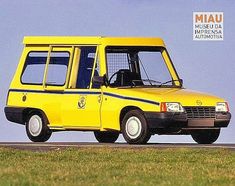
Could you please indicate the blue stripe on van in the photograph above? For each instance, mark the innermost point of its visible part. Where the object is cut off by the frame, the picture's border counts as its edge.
(86, 92)
(54, 92)
(131, 98)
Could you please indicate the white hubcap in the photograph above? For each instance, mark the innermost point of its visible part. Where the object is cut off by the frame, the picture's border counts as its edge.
(133, 127)
(35, 125)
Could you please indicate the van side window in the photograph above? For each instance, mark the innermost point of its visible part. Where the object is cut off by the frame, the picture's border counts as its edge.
(86, 63)
(117, 61)
(34, 68)
(57, 68)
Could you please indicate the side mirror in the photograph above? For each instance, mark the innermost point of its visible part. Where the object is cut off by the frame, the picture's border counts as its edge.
(100, 80)
(181, 82)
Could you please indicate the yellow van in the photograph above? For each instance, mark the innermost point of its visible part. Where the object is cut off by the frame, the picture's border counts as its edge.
(109, 86)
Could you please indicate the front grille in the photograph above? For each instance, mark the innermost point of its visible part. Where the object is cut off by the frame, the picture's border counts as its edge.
(200, 112)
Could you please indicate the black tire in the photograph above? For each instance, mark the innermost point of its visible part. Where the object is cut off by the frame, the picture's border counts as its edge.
(106, 136)
(39, 134)
(207, 136)
(136, 132)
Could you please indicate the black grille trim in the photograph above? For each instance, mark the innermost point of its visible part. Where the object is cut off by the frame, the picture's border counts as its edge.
(200, 112)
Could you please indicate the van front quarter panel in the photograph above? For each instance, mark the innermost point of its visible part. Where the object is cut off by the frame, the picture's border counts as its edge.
(136, 91)
(117, 102)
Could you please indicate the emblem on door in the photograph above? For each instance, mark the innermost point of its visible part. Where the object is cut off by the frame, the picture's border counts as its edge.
(82, 102)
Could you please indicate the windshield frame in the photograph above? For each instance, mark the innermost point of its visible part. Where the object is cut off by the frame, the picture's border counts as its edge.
(176, 81)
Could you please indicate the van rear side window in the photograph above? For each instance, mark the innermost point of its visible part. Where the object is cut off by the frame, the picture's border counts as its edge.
(35, 64)
(34, 68)
(57, 68)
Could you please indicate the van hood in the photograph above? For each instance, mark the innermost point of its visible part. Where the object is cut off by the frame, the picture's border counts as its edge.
(186, 97)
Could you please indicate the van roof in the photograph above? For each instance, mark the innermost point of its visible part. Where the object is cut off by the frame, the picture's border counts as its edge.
(93, 40)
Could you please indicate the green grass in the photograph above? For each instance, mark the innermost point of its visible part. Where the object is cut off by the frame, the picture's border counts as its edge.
(117, 166)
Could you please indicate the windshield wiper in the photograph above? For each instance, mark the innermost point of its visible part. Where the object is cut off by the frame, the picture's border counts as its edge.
(171, 81)
(135, 82)
(151, 81)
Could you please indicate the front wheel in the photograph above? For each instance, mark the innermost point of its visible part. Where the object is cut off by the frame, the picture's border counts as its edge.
(134, 128)
(36, 128)
(207, 136)
(106, 136)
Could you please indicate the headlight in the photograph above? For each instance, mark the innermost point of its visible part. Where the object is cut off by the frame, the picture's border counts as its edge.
(171, 107)
(222, 107)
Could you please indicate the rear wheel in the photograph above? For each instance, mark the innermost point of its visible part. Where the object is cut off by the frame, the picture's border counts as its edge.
(36, 128)
(134, 128)
(106, 136)
(207, 136)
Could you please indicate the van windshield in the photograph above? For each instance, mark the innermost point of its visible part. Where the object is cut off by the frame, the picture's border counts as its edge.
(138, 66)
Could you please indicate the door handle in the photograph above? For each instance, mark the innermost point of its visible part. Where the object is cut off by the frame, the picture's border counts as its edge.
(99, 99)
(24, 97)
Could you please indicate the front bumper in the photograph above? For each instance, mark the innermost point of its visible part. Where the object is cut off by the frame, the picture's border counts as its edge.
(164, 120)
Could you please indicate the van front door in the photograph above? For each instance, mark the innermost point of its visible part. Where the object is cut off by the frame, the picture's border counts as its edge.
(81, 109)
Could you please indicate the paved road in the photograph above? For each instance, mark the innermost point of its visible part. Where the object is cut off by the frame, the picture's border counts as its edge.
(62, 145)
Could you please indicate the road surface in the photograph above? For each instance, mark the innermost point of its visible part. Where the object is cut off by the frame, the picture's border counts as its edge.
(63, 145)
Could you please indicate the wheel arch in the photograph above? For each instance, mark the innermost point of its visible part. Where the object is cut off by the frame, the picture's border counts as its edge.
(27, 111)
(125, 110)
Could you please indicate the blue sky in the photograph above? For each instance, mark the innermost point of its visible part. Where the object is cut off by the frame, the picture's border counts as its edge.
(206, 66)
